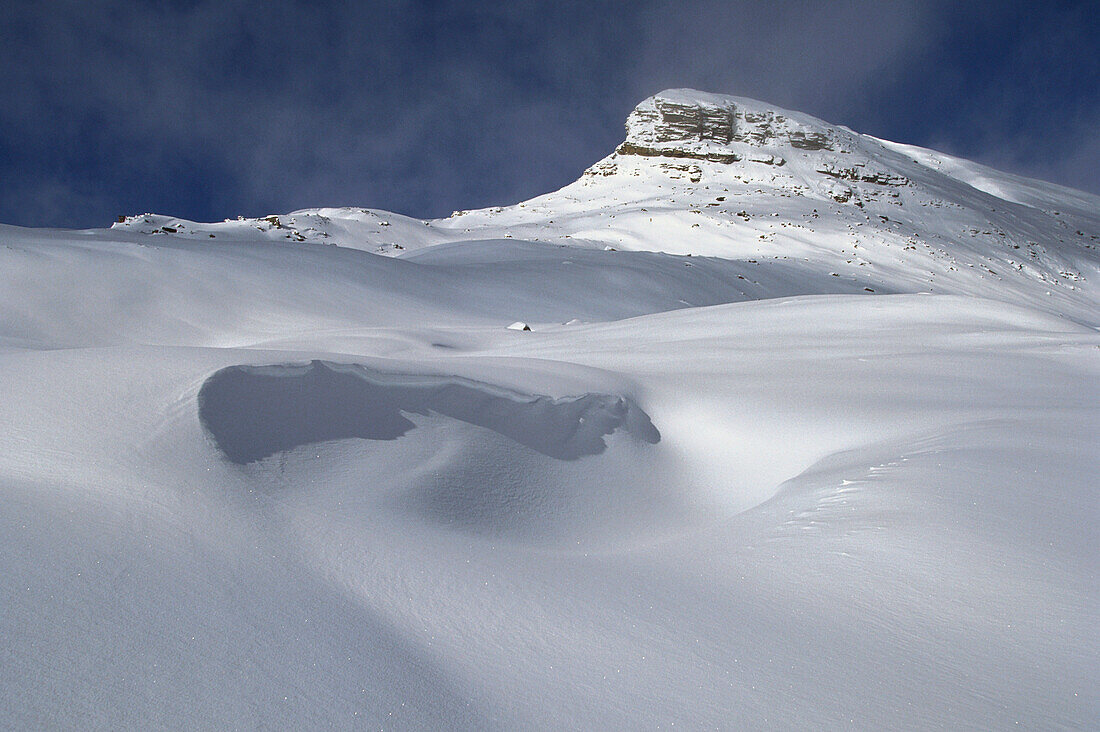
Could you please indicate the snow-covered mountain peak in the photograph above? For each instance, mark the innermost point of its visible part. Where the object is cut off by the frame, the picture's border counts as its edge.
(715, 138)
(741, 180)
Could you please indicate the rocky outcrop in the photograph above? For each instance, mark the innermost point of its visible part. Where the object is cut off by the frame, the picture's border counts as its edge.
(668, 120)
(682, 123)
(630, 148)
(863, 174)
(810, 140)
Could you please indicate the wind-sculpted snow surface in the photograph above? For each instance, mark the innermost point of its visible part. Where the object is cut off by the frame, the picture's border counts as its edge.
(802, 436)
(254, 412)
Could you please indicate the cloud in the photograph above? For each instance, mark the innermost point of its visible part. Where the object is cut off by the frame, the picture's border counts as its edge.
(53, 202)
(793, 53)
(1018, 89)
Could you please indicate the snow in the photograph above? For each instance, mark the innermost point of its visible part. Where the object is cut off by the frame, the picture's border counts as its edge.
(836, 468)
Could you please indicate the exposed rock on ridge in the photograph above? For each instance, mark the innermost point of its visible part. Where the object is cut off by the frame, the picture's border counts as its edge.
(682, 130)
(661, 120)
(683, 123)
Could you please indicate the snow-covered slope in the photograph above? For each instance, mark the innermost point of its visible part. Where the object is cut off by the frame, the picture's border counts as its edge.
(803, 435)
(729, 177)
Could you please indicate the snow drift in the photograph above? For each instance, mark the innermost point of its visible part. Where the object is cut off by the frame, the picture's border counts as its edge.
(255, 412)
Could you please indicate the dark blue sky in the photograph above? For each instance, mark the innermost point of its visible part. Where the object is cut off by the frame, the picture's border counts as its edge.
(208, 110)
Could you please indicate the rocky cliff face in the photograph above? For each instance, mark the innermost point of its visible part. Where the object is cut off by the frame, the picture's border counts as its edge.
(663, 120)
(684, 123)
(678, 132)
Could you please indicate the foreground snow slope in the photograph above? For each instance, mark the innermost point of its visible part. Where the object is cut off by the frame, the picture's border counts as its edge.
(252, 479)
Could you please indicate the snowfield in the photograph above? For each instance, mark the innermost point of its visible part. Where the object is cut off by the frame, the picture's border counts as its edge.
(804, 435)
